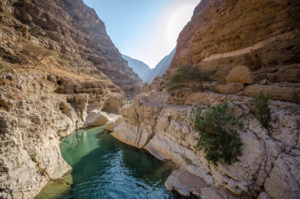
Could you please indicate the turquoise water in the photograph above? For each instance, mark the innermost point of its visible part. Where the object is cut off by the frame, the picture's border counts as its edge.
(104, 168)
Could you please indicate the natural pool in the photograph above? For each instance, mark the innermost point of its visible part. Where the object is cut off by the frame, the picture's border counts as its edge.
(103, 167)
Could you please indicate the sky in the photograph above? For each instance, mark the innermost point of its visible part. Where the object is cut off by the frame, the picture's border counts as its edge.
(146, 30)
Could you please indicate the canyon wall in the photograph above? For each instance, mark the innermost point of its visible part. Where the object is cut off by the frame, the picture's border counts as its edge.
(35, 112)
(260, 35)
(252, 46)
(269, 159)
(58, 70)
(139, 67)
(161, 68)
(70, 29)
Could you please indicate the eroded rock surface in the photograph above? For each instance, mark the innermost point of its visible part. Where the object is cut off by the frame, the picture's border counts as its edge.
(71, 31)
(268, 161)
(249, 42)
(35, 112)
(58, 67)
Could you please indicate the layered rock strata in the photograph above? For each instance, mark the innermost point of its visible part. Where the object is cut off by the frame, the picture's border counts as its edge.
(269, 160)
(251, 47)
(58, 70)
(35, 112)
(263, 36)
(69, 29)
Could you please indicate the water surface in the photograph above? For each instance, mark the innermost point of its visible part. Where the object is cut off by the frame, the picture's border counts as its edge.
(104, 168)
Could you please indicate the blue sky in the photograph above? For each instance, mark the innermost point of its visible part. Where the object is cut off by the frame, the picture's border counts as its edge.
(144, 29)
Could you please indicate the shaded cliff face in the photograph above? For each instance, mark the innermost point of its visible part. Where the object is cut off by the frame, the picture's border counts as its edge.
(144, 71)
(58, 70)
(161, 68)
(139, 67)
(262, 35)
(71, 30)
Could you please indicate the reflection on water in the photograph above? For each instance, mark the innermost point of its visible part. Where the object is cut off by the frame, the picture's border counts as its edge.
(103, 167)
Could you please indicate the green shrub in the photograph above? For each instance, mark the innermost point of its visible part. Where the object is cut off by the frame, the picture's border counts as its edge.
(262, 110)
(218, 132)
(6, 69)
(189, 76)
(80, 68)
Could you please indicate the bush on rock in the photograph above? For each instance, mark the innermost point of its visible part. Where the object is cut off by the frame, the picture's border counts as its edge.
(218, 132)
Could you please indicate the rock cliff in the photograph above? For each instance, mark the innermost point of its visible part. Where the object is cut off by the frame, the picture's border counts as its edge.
(58, 70)
(143, 70)
(139, 67)
(268, 162)
(71, 30)
(260, 35)
(252, 46)
(35, 112)
(161, 68)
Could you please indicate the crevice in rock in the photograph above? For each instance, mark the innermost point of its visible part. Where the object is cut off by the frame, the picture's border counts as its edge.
(149, 139)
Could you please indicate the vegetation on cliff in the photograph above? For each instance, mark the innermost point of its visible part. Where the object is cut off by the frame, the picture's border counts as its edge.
(189, 76)
(261, 109)
(218, 132)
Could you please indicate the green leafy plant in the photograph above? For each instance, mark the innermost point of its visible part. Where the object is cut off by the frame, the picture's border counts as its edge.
(189, 76)
(262, 110)
(218, 132)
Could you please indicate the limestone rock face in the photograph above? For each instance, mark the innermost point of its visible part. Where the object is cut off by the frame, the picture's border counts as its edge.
(252, 33)
(96, 118)
(268, 161)
(230, 88)
(251, 46)
(57, 68)
(71, 31)
(249, 42)
(35, 112)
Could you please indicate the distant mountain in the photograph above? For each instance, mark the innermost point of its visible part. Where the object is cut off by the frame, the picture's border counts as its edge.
(144, 71)
(161, 68)
(139, 67)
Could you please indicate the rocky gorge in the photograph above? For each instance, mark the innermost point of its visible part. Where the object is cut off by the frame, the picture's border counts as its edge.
(58, 75)
(252, 47)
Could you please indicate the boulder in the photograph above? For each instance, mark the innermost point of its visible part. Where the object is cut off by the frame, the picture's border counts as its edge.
(230, 88)
(96, 118)
(274, 92)
(186, 184)
(263, 195)
(114, 103)
(239, 74)
(114, 121)
(287, 74)
(183, 182)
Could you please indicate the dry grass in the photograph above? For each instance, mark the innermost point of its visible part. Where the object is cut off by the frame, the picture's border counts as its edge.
(38, 53)
(42, 61)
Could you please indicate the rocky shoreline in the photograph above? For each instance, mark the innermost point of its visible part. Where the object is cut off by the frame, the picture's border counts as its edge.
(60, 71)
(269, 158)
(38, 110)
